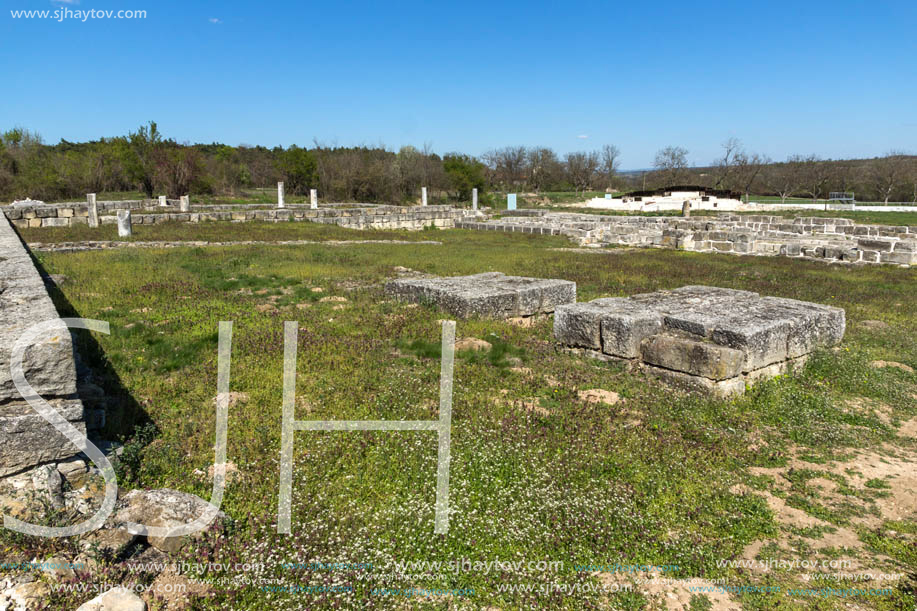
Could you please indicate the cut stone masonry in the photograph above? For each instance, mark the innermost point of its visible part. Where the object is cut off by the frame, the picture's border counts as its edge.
(26, 439)
(832, 239)
(703, 338)
(148, 212)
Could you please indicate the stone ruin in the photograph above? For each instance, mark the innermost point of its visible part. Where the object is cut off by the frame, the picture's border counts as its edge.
(825, 239)
(702, 338)
(149, 212)
(490, 295)
(26, 439)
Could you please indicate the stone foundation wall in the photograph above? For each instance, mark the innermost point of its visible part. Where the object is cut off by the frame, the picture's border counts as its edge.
(26, 439)
(832, 239)
(366, 216)
(700, 337)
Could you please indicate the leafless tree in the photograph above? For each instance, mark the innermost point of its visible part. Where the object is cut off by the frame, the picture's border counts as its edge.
(610, 161)
(671, 164)
(507, 165)
(912, 177)
(784, 179)
(542, 166)
(581, 168)
(747, 170)
(888, 173)
(176, 169)
(732, 149)
(815, 174)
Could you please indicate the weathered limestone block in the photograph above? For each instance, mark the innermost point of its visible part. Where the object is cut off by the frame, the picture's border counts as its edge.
(874, 244)
(721, 389)
(692, 309)
(623, 329)
(760, 336)
(47, 364)
(580, 324)
(813, 325)
(27, 439)
(700, 358)
(164, 508)
(491, 294)
(901, 258)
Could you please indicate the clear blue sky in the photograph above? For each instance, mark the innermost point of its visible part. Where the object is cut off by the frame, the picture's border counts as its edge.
(834, 78)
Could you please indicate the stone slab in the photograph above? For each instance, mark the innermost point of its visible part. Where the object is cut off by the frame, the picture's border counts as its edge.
(722, 389)
(489, 295)
(27, 439)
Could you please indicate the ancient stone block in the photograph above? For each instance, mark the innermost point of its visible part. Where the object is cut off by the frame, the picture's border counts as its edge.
(27, 439)
(625, 327)
(700, 358)
(491, 295)
(721, 389)
(164, 508)
(873, 244)
(762, 338)
(902, 258)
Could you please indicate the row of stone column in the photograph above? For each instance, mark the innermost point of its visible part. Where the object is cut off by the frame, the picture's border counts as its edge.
(313, 197)
(124, 216)
(474, 198)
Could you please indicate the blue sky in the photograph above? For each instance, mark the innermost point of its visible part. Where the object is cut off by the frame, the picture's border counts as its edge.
(838, 79)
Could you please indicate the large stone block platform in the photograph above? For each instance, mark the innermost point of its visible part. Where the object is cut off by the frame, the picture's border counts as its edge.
(700, 337)
(490, 295)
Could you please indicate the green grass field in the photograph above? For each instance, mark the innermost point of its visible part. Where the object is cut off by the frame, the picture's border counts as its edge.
(539, 472)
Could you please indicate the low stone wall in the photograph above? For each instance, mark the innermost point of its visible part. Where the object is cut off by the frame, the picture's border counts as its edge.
(72, 213)
(363, 217)
(832, 239)
(26, 439)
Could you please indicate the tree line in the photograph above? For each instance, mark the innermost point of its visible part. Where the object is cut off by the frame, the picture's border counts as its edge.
(148, 162)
